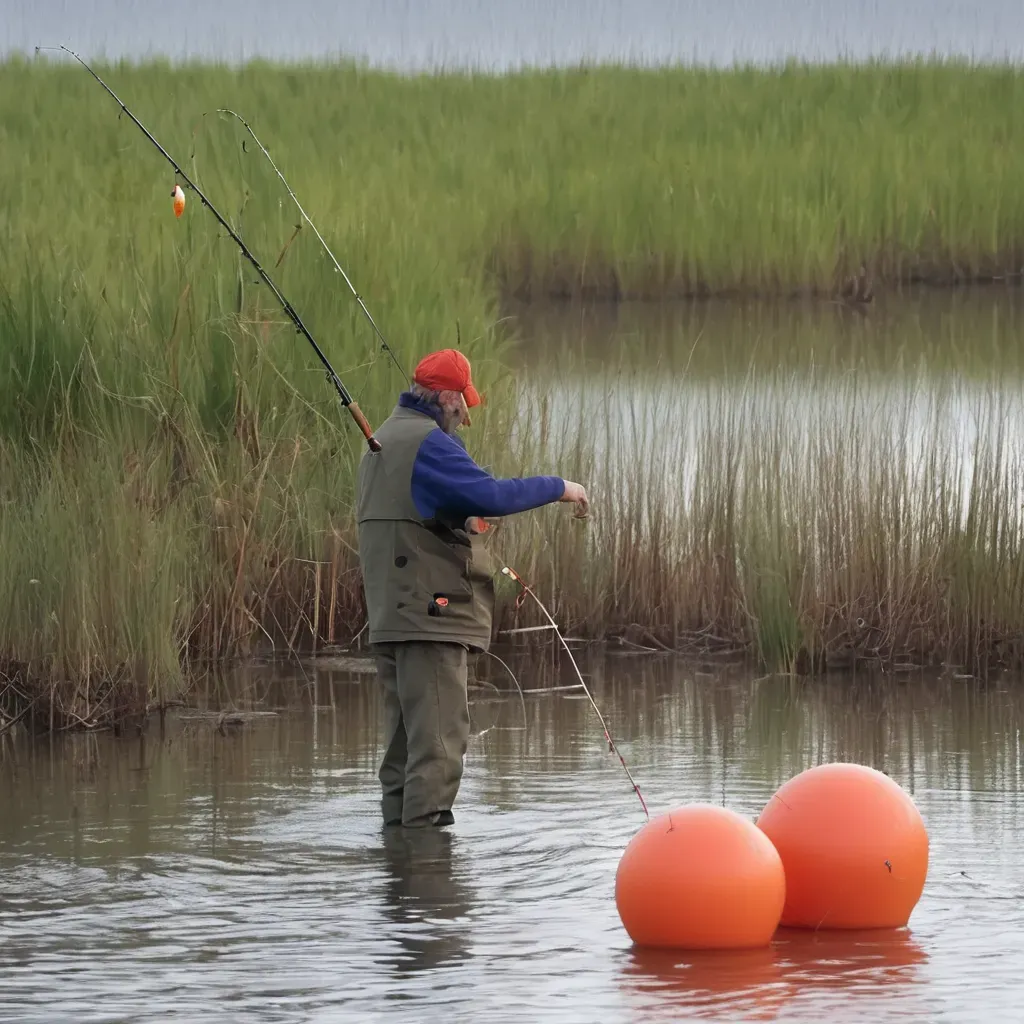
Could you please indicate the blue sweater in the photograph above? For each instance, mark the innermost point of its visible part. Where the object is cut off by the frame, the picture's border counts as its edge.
(446, 480)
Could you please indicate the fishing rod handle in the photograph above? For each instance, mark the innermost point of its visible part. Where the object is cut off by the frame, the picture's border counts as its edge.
(364, 425)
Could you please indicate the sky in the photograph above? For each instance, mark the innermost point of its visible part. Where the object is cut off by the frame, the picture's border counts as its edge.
(495, 34)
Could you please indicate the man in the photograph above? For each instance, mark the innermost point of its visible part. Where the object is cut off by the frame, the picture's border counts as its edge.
(428, 580)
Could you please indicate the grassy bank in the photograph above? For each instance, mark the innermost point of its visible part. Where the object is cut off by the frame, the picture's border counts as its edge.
(176, 480)
(611, 181)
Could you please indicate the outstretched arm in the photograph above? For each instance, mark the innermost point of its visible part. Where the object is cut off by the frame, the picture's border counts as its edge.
(445, 479)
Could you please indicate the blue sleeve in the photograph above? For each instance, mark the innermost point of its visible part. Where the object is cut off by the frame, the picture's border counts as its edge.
(445, 479)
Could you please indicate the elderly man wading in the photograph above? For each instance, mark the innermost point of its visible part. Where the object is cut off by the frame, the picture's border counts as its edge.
(429, 582)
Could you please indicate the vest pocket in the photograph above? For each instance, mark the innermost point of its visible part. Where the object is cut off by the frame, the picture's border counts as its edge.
(433, 566)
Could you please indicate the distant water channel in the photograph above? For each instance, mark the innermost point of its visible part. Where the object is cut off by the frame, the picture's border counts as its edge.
(929, 381)
(193, 874)
(431, 34)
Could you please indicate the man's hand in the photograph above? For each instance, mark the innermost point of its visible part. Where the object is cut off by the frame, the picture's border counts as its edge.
(578, 496)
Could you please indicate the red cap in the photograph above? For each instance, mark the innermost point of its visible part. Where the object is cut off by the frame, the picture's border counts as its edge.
(447, 370)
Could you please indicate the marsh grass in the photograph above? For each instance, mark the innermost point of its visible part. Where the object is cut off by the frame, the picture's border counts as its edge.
(809, 523)
(177, 478)
(813, 522)
(610, 181)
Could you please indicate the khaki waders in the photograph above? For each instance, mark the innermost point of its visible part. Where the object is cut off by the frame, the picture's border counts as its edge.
(426, 728)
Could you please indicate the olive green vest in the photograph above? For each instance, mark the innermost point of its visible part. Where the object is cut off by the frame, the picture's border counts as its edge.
(423, 579)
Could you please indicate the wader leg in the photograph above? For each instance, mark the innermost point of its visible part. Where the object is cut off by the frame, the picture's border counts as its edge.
(432, 691)
(392, 768)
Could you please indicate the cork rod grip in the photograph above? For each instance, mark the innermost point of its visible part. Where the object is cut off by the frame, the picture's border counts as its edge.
(364, 426)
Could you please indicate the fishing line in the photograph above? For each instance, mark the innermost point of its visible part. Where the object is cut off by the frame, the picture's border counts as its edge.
(512, 574)
(346, 399)
(522, 699)
(305, 217)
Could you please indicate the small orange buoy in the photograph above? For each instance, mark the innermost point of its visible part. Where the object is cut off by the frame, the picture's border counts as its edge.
(179, 201)
(700, 877)
(853, 845)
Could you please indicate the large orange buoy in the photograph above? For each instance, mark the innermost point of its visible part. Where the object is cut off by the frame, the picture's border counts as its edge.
(700, 877)
(853, 845)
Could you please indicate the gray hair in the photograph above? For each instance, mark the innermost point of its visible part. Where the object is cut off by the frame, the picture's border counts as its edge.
(425, 394)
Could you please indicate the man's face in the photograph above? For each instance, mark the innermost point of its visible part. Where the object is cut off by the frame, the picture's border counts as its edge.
(456, 412)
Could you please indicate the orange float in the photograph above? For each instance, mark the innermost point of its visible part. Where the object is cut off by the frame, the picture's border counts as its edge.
(853, 845)
(700, 877)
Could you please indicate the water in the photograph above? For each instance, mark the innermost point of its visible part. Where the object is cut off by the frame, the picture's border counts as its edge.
(925, 386)
(974, 333)
(418, 34)
(189, 875)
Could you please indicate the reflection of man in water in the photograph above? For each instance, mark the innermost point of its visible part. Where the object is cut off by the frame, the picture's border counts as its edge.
(425, 898)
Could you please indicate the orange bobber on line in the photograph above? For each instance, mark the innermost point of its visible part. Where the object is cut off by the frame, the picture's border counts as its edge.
(853, 845)
(700, 877)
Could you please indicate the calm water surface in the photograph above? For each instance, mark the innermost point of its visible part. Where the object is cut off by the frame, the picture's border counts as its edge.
(417, 34)
(190, 875)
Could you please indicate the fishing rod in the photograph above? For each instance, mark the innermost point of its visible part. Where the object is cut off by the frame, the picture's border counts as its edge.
(305, 217)
(513, 575)
(346, 399)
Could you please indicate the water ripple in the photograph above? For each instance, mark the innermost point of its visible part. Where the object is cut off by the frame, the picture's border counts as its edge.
(250, 878)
